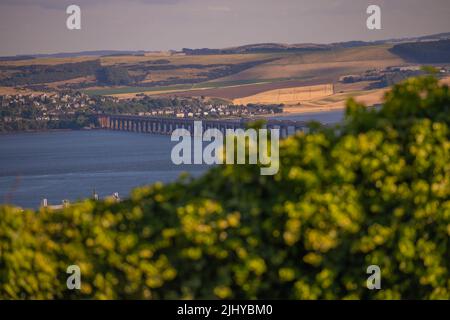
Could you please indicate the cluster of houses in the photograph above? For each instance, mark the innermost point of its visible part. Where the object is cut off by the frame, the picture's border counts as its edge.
(45, 106)
(59, 106)
(213, 111)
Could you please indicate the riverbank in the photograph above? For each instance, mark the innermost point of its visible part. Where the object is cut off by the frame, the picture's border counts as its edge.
(290, 111)
(46, 130)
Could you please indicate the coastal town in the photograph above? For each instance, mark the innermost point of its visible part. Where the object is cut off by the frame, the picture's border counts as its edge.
(76, 110)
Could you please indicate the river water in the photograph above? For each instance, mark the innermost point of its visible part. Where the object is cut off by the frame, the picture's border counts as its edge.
(71, 164)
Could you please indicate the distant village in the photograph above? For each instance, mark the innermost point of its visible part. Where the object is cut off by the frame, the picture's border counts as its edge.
(75, 110)
(43, 107)
(213, 111)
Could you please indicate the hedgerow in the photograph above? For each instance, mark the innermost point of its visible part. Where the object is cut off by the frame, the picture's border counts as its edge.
(373, 191)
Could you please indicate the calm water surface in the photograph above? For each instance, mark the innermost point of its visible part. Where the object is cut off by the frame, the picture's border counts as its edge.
(71, 164)
(323, 117)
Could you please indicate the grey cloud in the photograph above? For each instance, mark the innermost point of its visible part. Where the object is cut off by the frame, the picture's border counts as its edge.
(58, 4)
(39, 25)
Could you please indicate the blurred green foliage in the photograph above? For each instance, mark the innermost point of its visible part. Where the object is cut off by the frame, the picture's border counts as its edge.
(373, 191)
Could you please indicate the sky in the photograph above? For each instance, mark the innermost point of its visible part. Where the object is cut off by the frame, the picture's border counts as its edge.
(39, 26)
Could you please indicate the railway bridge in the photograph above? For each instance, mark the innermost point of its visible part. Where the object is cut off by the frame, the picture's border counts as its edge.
(162, 125)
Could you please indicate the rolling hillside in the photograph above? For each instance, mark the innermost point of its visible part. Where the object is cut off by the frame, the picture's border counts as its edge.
(288, 96)
(230, 73)
(287, 70)
(319, 65)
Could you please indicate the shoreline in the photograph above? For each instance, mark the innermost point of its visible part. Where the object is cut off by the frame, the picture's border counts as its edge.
(47, 130)
(313, 109)
(295, 112)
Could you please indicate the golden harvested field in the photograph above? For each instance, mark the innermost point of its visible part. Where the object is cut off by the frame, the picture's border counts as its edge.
(187, 59)
(292, 78)
(12, 91)
(446, 81)
(288, 96)
(289, 70)
(90, 79)
(368, 97)
(175, 59)
(239, 91)
(338, 100)
(315, 66)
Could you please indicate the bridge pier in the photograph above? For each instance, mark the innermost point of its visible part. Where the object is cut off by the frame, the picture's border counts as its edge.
(155, 125)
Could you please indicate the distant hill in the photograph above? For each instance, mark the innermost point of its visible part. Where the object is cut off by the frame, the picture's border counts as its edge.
(308, 47)
(433, 37)
(96, 53)
(88, 53)
(250, 48)
(259, 48)
(16, 58)
(424, 52)
(248, 66)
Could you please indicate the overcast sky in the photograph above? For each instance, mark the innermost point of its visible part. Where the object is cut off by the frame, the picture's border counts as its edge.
(39, 26)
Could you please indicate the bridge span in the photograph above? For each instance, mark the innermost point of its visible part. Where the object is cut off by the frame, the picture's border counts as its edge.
(161, 125)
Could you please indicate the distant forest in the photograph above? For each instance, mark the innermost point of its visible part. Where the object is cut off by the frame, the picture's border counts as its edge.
(37, 74)
(424, 52)
(16, 58)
